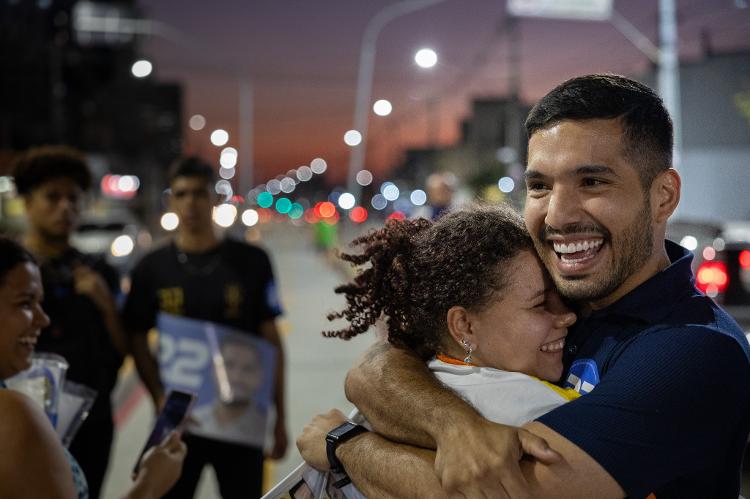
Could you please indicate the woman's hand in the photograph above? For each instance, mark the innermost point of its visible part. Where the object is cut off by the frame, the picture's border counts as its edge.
(160, 468)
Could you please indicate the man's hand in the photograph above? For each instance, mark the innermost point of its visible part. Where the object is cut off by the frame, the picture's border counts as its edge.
(312, 442)
(482, 459)
(90, 283)
(280, 440)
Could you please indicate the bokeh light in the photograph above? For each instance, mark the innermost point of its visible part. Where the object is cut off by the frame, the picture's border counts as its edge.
(352, 138)
(250, 217)
(689, 243)
(273, 186)
(326, 209)
(379, 202)
(141, 68)
(318, 165)
(122, 246)
(358, 215)
(224, 188)
(418, 197)
(225, 214)
(506, 184)
(169, 221)
(296, 211)
(364, 177)
(219, 137)
(346, 201)
(226, 173)
(265, 199)
(197, 122)
(304, 173)
(391, 192)
(287, 185)
(283, 205)
(382, 107)
(228, 157)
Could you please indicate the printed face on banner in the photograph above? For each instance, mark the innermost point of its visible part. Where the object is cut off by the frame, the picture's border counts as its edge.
(231, 371)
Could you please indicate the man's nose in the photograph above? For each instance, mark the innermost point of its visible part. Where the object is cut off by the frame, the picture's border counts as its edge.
(563, 208)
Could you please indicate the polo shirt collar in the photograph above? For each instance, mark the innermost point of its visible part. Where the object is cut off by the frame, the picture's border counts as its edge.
(655, 298)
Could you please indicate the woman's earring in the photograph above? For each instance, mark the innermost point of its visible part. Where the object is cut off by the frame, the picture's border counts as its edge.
(469, 350)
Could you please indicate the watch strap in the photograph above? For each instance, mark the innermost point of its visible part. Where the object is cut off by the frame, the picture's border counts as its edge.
(336, 437)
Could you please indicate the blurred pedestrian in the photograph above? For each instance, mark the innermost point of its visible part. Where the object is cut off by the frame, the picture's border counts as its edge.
(200, 276)
(80, 293)
(441, 191)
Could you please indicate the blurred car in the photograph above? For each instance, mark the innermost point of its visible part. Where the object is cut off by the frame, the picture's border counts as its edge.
(722, 262)
(120, 241)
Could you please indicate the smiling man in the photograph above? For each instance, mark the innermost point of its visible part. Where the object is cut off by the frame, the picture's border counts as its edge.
(663, 370)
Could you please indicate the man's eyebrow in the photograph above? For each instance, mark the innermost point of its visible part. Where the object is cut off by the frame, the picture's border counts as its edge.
(530, 174)
(595, 170)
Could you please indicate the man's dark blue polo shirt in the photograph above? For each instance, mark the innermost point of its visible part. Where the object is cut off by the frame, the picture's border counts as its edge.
(668, 373)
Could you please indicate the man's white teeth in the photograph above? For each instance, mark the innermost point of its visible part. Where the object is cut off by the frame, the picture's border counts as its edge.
(577, 246)
(553, 346)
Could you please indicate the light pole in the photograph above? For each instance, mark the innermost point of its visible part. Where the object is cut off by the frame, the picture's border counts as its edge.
(365, 77)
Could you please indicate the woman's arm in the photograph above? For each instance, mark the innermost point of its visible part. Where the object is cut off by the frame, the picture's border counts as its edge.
(32, 463)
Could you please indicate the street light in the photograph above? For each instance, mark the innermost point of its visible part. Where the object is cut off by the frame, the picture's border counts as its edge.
(365, 77)
(425, 58)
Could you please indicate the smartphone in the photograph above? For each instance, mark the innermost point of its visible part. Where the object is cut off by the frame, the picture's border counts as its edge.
(172, 416)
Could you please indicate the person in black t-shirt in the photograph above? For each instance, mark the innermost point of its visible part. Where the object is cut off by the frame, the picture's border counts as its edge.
(199, 276)
(79, 294)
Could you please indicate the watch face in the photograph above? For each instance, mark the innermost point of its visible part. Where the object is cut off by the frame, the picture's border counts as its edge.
(341, 430)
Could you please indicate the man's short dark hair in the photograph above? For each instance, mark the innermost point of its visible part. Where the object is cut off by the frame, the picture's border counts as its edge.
(191, 166)
(40, 164)
(645, 121)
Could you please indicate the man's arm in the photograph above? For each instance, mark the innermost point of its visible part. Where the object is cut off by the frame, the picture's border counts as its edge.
(147, 366)
(402, 400)
(270, 332)
(90, 283)
(378, 467)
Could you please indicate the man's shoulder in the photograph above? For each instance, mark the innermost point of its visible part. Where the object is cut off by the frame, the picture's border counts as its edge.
(156, 257)
(244, 254)
(699, 320)
(236, 246)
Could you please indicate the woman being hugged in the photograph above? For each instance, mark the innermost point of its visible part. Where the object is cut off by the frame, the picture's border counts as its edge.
(469, 295)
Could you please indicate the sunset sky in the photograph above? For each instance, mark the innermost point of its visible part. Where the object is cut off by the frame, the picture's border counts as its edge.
(302, 58)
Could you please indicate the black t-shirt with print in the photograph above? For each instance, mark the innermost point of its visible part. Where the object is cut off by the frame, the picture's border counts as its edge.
(232, 284)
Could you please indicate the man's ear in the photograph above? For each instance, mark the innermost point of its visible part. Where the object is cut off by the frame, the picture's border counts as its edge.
(665, 194)
(459, 325)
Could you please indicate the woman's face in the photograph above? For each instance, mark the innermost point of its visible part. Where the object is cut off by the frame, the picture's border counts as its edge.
(523, 329)
(22, 318)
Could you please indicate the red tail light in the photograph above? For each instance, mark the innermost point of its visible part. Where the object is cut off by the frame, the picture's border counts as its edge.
(745, 259)
(712, 277)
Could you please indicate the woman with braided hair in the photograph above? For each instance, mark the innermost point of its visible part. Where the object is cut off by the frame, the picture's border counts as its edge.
(468, 294)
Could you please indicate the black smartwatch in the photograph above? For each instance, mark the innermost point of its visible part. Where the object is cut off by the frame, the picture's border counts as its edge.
(337, 436)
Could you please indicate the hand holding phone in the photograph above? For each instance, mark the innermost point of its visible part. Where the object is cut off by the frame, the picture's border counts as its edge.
(171, 417)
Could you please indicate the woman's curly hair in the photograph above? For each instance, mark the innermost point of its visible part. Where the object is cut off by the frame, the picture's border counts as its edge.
(419, 269)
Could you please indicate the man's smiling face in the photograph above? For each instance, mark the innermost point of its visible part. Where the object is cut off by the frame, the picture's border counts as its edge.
(586, 210)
